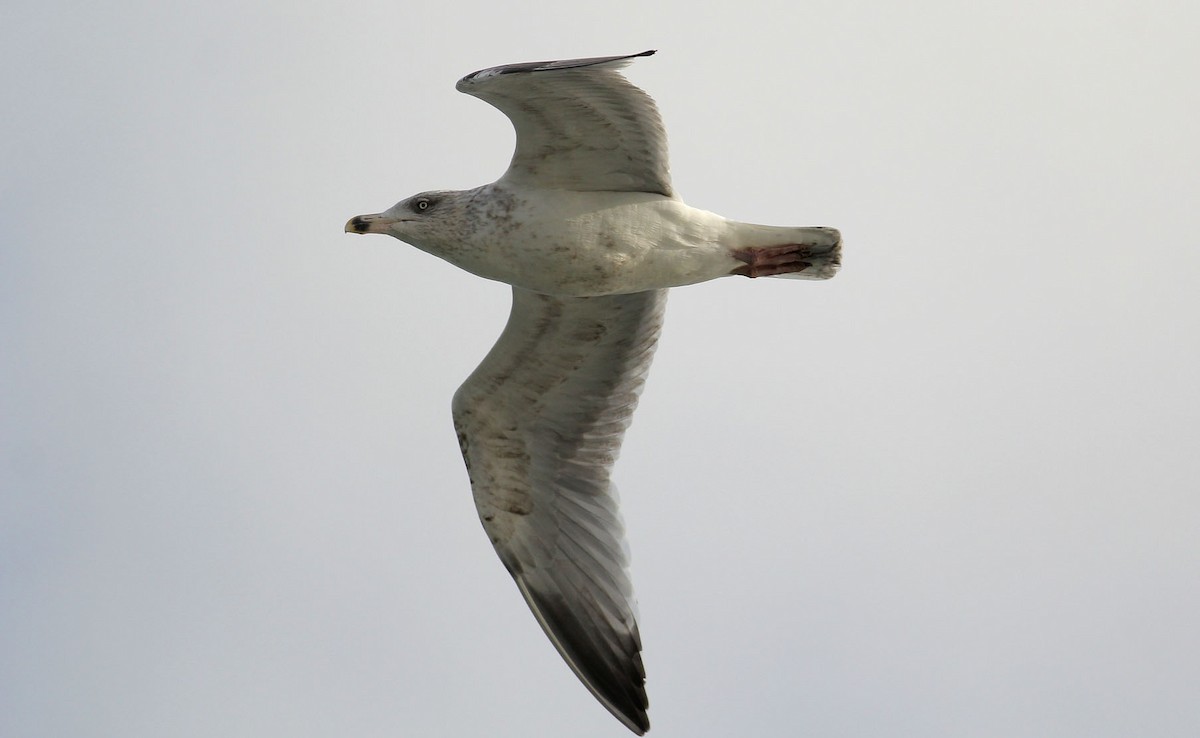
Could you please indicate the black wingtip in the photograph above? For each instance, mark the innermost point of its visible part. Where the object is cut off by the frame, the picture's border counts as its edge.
(616, 679)
(557, 65)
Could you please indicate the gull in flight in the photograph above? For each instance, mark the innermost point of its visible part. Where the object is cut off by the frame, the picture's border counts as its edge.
(588, 230)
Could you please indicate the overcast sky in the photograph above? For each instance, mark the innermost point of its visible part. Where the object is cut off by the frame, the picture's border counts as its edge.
(952, 492)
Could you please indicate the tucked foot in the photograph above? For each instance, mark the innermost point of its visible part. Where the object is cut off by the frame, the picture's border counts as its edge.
(810, 260)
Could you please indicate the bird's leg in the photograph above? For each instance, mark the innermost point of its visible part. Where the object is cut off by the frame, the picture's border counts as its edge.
(800, 253)
(768, 261)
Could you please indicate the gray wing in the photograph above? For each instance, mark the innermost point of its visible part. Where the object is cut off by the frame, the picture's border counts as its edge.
(580, 125)
(540, 423)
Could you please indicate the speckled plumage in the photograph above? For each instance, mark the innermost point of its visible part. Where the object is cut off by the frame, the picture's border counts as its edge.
(586, 227)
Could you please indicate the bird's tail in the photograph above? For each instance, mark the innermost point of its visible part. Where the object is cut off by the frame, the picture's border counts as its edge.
(795, 253)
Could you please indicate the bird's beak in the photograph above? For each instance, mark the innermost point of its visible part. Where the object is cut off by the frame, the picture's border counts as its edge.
(377, 223)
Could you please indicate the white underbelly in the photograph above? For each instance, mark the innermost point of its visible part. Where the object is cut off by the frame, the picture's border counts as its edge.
(584, 243)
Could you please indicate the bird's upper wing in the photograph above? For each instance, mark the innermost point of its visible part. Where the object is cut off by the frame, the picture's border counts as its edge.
(580, 125)
(540, 423)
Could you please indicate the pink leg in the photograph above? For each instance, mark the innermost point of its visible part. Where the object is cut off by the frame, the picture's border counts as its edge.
(767, 261)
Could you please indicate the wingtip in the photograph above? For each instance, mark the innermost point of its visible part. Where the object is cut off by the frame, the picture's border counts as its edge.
(625, 698)
(549, 66)
(641, 724)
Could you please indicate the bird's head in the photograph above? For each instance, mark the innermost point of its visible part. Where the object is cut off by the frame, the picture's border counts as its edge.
(424, 220)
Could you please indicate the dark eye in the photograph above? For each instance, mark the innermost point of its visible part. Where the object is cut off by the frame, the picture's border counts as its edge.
(422, 204)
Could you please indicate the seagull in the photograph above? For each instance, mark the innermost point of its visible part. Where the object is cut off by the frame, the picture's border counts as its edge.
(588, 230)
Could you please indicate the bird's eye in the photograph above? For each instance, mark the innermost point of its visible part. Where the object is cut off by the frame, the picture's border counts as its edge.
(422, 204)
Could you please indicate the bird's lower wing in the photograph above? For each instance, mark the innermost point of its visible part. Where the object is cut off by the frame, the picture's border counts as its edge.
(540, 423)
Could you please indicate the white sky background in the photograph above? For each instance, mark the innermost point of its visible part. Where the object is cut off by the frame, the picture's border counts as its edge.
(951, 492)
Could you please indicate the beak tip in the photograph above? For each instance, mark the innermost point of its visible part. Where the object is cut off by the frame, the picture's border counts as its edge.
(377, 223)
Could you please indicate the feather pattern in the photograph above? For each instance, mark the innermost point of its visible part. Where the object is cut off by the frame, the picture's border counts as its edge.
(580, 125)
(540, 423)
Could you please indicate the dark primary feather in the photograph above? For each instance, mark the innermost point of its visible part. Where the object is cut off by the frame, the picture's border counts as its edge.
(542, 66)
(540, 423)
